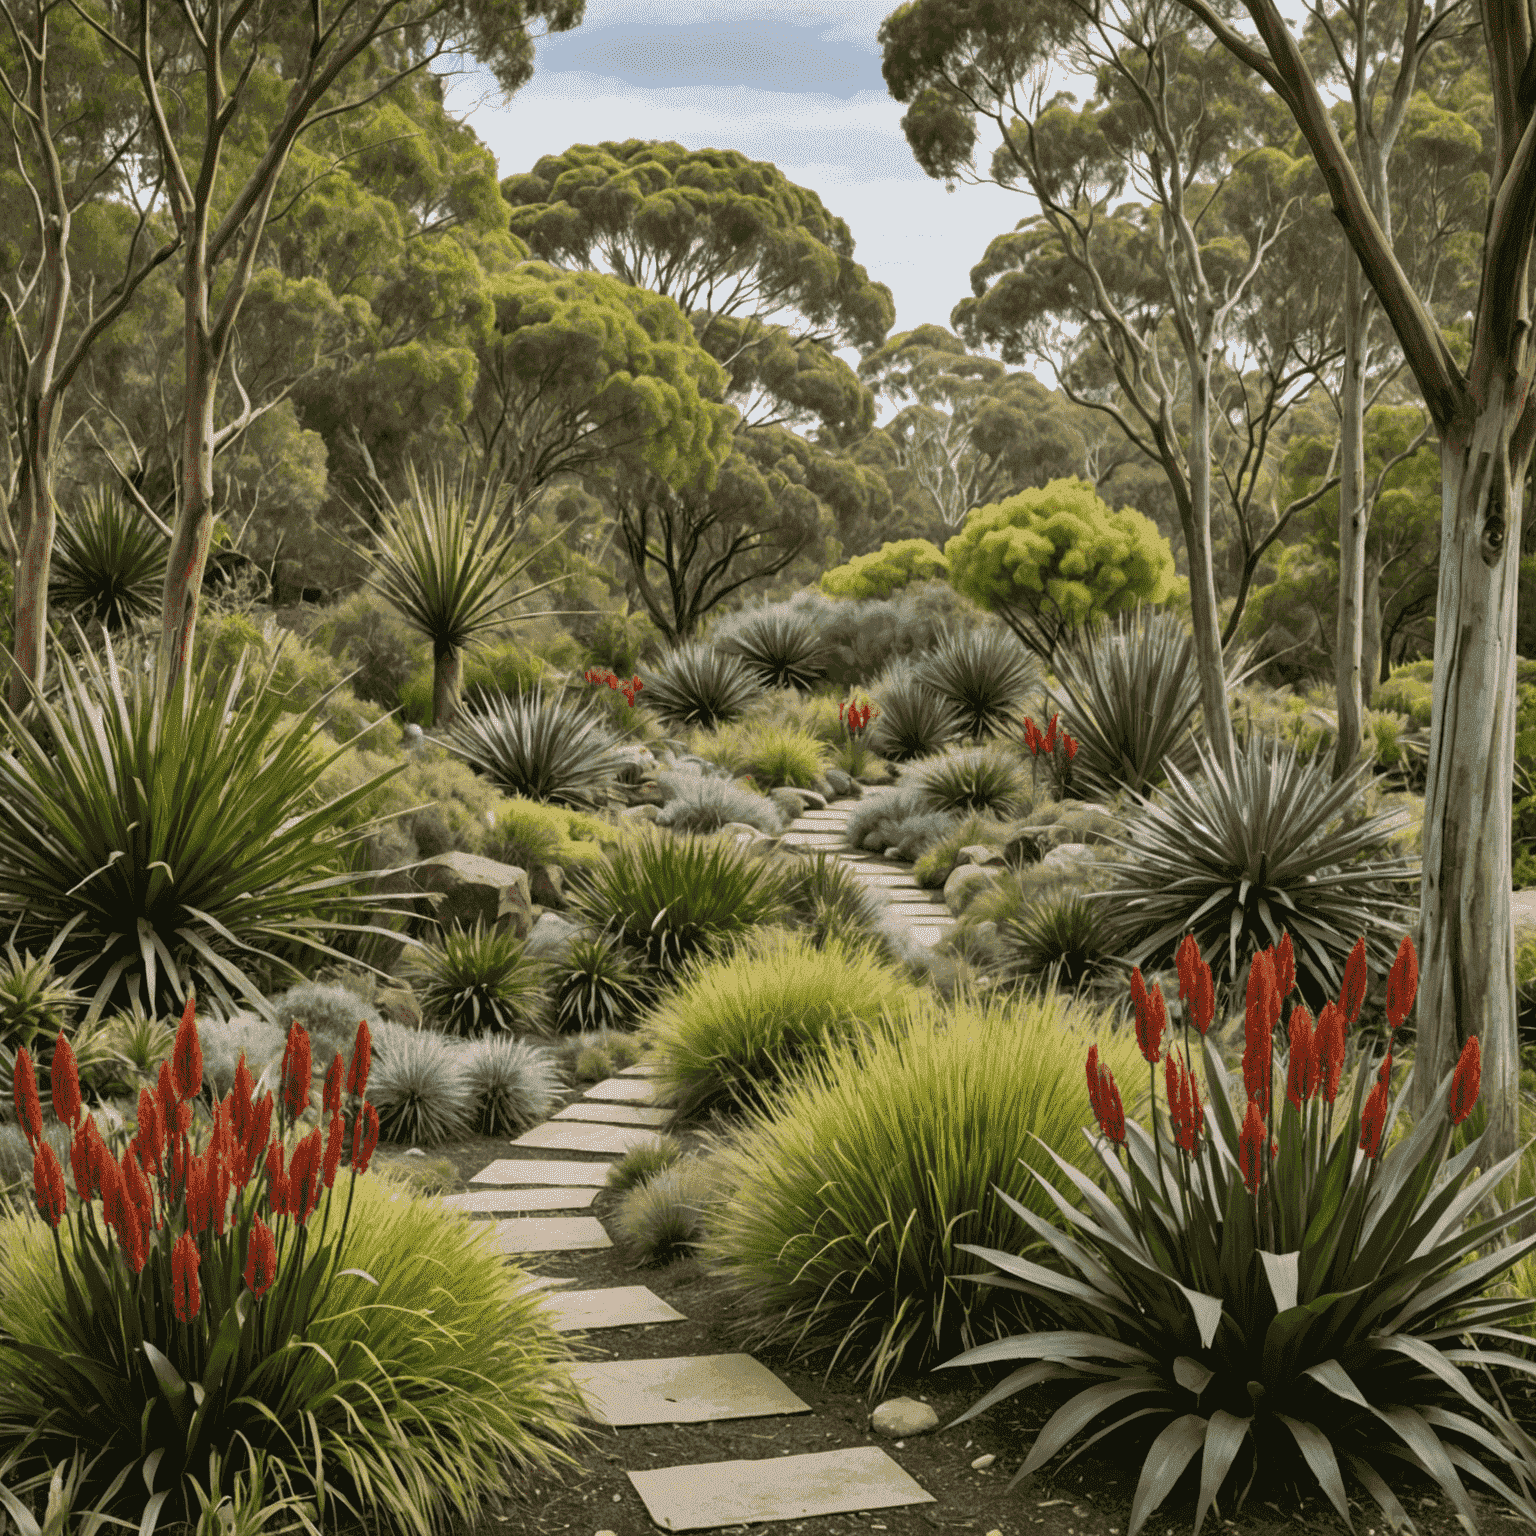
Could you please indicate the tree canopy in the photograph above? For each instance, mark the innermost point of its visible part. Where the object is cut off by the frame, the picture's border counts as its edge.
(886, 570)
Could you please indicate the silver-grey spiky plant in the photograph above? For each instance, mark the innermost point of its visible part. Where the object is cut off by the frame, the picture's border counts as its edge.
(513, 1083)
(421, 1088)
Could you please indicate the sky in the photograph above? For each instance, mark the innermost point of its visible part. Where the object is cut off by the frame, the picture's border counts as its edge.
(796, 82)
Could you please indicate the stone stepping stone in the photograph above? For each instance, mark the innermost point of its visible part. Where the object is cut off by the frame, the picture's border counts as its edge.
(644, 1069)
(586, 1136)
(550, 1234)
(614, 1114)
(545, 1282)
(837, 814)
(623, 1090)
(614, 1306)
(537, 1170)
(724, 1493)
(508, 1202)
(691, 1389)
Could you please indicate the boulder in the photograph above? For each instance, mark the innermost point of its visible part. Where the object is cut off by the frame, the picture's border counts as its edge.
(643, 812)
(791, 802)
(1075, 858)
(546, 884)
(813, 798)
(469, 888)
(893, 852)
(737, 831)
(979, 853)
(398, 1004)
(550, 937)
(899, 1417)
(843, 786)
(964, 882)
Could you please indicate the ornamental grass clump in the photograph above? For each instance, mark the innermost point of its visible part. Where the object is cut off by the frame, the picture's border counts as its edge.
(595, 985)
(472, 980)
(422, 1088)
(847, 1194)
(964, 780)
(1280, 1289)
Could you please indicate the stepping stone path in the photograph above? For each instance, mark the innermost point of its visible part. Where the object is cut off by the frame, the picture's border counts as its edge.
(612, 1117)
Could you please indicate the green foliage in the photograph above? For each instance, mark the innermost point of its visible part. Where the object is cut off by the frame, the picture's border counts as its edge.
(1318, 1318)
(539, 748)
(1049, 560)
(780, 647)
(595, 985)
(913, 721)
(527, 834)
(108, 563)
(984, 674)
(514, 1084)
(938, 861)
(1063, 940)
(474, 980)
(329, 1013)
(664, 1218)
(699, 684)
(848, 1194)
(503, 667)
(828, 902)
(370, 640)
(1242, 858)
(35, 1004)
(735, 1027)
(887, 570)
(700, 803)
(898, 820)
(671, 898)
(771, 754)
(965, 780)
(421, 1088)
(182, 839)
(1410, 691)
(643, 1162)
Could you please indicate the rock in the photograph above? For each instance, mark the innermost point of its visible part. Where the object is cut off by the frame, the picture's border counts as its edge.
(844, 786)
(469, 888)
(814, 799)
(648, 793)
(550, 937)
(645, 811)
(399, 1006)
(1026, 846)
(979, 853)
(964, 882)
(414, 1152)
(893, 852)
(412, 737)
(1075, 858)
(738, 830)
(983, 1462)
(902, 1416)
(636, 762)
(790, 802)
(546, 884)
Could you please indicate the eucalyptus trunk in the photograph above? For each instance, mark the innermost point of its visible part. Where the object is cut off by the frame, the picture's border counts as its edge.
(1349, 675)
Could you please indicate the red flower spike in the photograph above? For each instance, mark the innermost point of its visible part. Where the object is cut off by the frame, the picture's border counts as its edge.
(1104, 1096)
(165, 1093)
(1071, 747)
(107, 1174)
(362, 1060)
(29, 1112)
(136, 1183)
(48, 1184)
(1258, 1059)
(150, 1133)
(365, 1137)
(1352, 993)
(1196, 989)
(304, 1178)
(1373, 1118)
(297, 1071)
(331, 1098)
(1285, 967)
(1402, 983)
(333, 1143)
(199, 1195)
(244, 1094)
(64, 1081)
(254, 1142)
(187, 1055)
(1184, 1108)
(1466, 1081)
(260, 1259)
(80, 1159)
(1299, 1069)
(1328, 1049)
(186, 1295)
(1250, 1147)
(1151, 1017)
(1263, 1002)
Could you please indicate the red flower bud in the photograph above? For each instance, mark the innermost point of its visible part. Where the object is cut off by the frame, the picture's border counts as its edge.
(297, 1071)
(1402, 983)
(304, 1178)
(1299, 1068)
(1185, 1110)
(1104, 1096)
(1263, 1000)
(81, 1160)
(64, 1080)
(1250, 1147)
(1328, 1048)
(199, 1195)
(1373, 1118)
(29, 1112)
(260, 1259)
(150, 1132)
(186, 1295)
(1352, 993)
(1285, 968)
(1466, 1081)
(187, 1055)
(362, 1060)
(331, 1098)
(1151, 1017)
(165, 1093)
(48, 1183)
(1195, 986)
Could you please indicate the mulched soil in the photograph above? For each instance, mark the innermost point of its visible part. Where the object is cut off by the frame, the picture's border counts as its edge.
(1089, 1498)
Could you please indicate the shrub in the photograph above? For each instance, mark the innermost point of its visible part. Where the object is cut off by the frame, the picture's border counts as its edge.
(984, 675)
(34, 1003)
(780, 647)
(1242, 858)
(1064, 940)
(735, 1026)
(592, 1065)
(847, 1195)
(898, 820)
(642, 1163)
(370, 640)
(528, 834)
(330, 1014)
(828, 902)
(773, 755)
(1299, 1307)
(513, 1084)
(181, 838)
(699, 684)
(540, 748)
(108, 563)
(671, 898)
(664, 1218)
(497, 669)
(913, 721)
(594, 985)
(471, 980)
(935, 866)
(1409, 690)
(422, 1088)
(703, 804)
(886, 570)
(248, 1036)
(968, 780)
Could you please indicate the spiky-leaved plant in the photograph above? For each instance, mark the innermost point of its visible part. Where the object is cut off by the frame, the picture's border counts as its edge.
(985, 675)
(473, 980)
(781, 647)
(595, 985)
(699, 684)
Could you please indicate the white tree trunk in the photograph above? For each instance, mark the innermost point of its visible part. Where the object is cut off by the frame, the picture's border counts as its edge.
(1204, 614)
(1349, 681)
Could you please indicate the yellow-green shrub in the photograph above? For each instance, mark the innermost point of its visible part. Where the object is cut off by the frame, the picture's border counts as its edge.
(934, 866)
(528, 833)
(773, 755)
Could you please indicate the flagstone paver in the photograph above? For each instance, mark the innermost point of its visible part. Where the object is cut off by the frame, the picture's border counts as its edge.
(613, 1306)
(551, 1234)
(614, 1114)
(688, 1390)
(623, 1090)
(587, 1136)
(723, 1493)
(509, 1202)
(538, 1170)
(640, 1069)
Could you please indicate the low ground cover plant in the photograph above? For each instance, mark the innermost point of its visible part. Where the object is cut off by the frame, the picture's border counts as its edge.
(900, 820)
(664, 1217)
(703, 803)
(772, 754)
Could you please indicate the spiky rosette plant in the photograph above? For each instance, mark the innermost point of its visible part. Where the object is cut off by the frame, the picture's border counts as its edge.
(1283, 1290)
(982, 674)
(782, 648)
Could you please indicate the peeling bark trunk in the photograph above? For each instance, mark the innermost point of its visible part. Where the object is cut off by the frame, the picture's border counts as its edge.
(447, 678)
(1202, 577)
(1466, 946)
(1348, 675)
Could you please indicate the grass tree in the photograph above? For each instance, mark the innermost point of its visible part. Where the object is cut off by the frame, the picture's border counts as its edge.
(443, 561)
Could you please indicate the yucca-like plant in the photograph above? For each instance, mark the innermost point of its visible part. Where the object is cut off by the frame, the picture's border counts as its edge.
(985, 675)
(596, 984)
(108, 563)
(698, 684)
(1242, 857)
(1063, 939)
(781, 647)
(421, 1088)
(513, 1084)
(473, 980)
(964, 780)
(35, 1003)
(670, 898)
(540, 748)
(444, 561)
(183, 837)
(913, 720)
